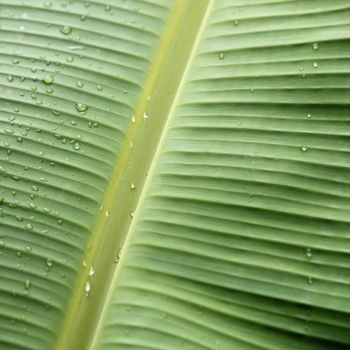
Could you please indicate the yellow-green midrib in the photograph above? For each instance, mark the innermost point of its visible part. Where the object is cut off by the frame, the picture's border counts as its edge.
(242, 239)
(70, 75)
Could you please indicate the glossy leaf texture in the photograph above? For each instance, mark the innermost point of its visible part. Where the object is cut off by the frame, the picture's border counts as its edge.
(70, 75)
(242, 238)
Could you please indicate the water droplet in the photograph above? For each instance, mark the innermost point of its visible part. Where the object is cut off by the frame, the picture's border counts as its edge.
(308, 253)
(303, 148)
(315, 64)
(221, 55)
(310, 280)
(79, 84)
(48, 80)
(133, 119)
(308, 115)
(87, 288)
(49, 263)
(84, 263)
(66, 30)
(132, 186)
(76, 146)
(10, 78)
(315, 46)
(28, 249)
(145, 115)
(108, 8)
(60, 222)
(236, 22)
(80, 107)
(99, 87)
(132, 214)
(69, 59)
(29, 227)
(107, 213)
(49, 90)
(27, 284)
(32, 205)
(91, 271)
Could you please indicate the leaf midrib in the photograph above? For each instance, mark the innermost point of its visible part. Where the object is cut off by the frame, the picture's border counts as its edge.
(164, 81)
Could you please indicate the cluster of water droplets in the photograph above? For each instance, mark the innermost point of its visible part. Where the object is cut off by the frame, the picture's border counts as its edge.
(91, 273)
(54, 125)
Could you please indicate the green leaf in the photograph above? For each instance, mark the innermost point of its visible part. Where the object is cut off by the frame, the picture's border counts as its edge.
(174, 174)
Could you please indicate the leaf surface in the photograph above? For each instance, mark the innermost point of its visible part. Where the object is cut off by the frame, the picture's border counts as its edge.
(213, 135)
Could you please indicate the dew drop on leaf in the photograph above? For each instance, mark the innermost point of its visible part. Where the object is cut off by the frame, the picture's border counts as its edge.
(308, 253)
(91, 271)
(80, 107)
(48, 80)
(29, 227)
(87, 288)
(49, 263)
(65, 30)
(27, 284)
(47, 4)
